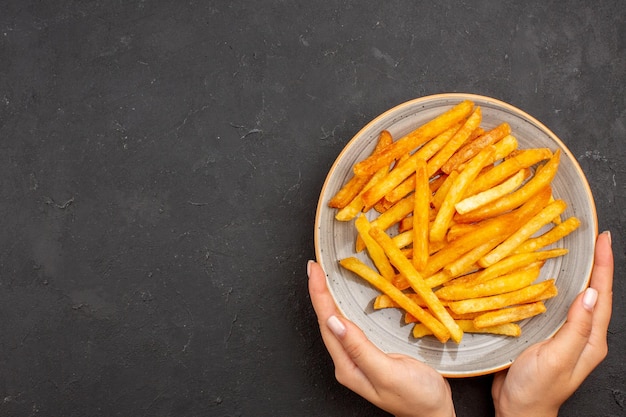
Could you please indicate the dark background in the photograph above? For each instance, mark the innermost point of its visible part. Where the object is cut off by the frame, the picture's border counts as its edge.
(160, 164)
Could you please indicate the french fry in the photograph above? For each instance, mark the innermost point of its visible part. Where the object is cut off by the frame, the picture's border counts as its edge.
(453, 145)
(425, 152)
(444, 188)
(414, 139)
(508, 329)
(405, 267)
(354, 187)
(505, 283)
(542, 218)
(472, 149)
(478, 200)
(553, 235)
(376, 253)
(495, 302)
(514, 262)
(456, 192)
(357, 204)
(509, 314)
(355, 265)
(390, 217)
(385, 301)
(408, 319)
(540, 180)
(524, 159)
(421, 214)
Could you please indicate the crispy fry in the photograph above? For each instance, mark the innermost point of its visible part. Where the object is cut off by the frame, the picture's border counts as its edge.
(354, 187)
(421, 212)
(509, 314)
(405, 267)
(379, 282)
(443, 189)
(513, 262)
(376, 253)
(508, 329)
(553, 235)
(540, 180)
(459, 138)
(390, 217)
(542, 218)
(478, 200)
(472, 149)
(414, 139)
(357, 204)
(456, 192)
(523, 159)
(425, 152)
(505, 283)
(495, 302)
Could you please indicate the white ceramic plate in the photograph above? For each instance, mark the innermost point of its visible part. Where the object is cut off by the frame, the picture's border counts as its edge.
(477, 354)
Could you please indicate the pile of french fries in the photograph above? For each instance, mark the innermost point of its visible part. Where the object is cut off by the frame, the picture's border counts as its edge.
(459, 221)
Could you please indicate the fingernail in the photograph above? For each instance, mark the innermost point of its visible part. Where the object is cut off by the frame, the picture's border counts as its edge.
(608, 235)
(336, 326)
(590, 298)
(308, 268)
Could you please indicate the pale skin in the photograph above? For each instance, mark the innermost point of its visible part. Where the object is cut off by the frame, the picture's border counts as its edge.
(537, 383)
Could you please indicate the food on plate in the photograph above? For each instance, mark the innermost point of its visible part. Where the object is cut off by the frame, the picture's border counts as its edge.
(452, 222)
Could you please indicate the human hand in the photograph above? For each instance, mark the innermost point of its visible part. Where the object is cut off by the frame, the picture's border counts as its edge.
(396, 383)
(547, 373)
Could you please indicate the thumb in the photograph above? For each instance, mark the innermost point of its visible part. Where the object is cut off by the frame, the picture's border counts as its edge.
(573, 337)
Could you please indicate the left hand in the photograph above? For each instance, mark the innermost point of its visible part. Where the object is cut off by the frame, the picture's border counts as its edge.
(396, 383)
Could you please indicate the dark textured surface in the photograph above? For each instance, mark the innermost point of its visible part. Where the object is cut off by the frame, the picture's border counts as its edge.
(159, 170)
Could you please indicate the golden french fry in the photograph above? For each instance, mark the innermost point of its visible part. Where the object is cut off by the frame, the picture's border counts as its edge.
(425, 152)
(354, 187)
(523, 159)
(414, 139)
(542, 218)
(495, 302)
(442, 191)
(539, 181)
(472, 149)
(553, 235)
(505, 283)
(421, 214)
(509, 314)
(348, 191)
(405, 267)
(459, 138)
(478, 200)
(357, 204)
(376, 253)
(390, 217)
(508, 329)
(514, 262)
(408, 319)
(456, 192)
(355, 265)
